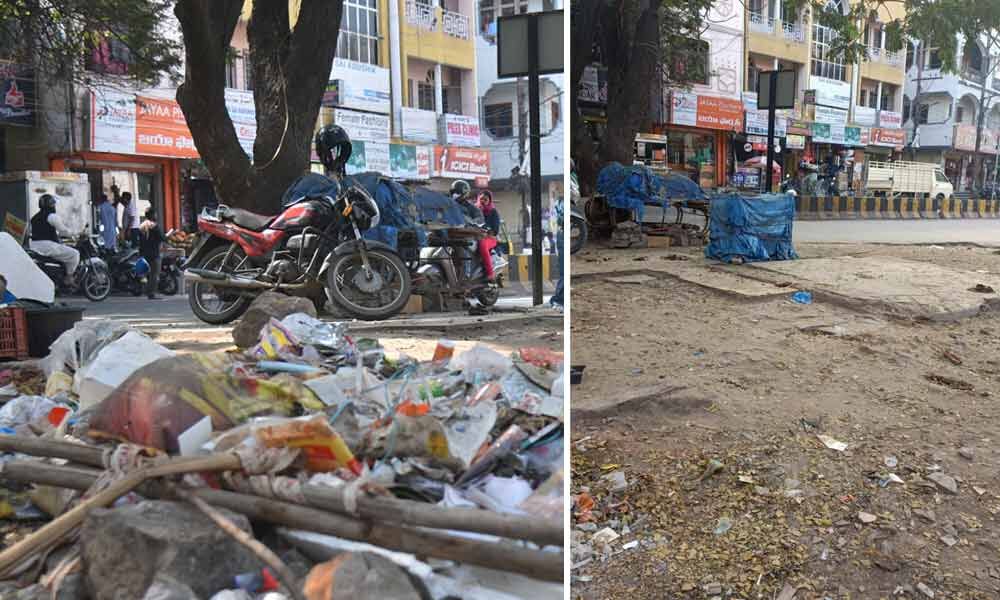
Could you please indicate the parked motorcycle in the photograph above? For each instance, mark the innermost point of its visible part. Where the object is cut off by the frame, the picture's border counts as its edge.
(577, 220)
(126, 274)
(91, 277)
(170, 276)
(453, 263)
(314, 249)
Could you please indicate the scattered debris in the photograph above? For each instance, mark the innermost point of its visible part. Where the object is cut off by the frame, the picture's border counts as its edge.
(604, 537)
(967, 453)
(724, 525)
(982, 288)
(945, 482)
(955, 384)
(631, 279)
(866, 518)
(923, 589)
(948, 540)
(832, 443)
(952, 357)
(802, 297)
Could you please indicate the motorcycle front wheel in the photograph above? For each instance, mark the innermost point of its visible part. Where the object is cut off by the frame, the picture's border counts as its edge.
(96, 283)
(169, 284)
(218, 305)
(577, 234)
(373, 296)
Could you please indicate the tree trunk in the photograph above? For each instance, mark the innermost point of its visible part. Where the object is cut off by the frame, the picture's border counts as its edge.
(291, 68)
(583, 33)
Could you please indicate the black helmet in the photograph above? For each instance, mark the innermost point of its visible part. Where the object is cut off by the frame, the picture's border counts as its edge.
(460, 188)
(333, 146)
(47, 202)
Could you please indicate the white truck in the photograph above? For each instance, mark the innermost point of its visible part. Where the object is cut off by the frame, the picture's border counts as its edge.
(900, 177)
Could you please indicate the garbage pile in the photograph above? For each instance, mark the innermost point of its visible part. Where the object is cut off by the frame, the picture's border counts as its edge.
(312, 465)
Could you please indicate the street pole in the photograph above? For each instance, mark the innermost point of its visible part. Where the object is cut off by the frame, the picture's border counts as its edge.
(773, 89)
(536, 162)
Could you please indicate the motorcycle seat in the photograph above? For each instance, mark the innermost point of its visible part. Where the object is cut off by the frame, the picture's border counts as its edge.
(245, 218)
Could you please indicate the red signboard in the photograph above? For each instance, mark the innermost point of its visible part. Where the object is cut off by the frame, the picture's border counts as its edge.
(894, 138)
(720, 113)
(457, 162)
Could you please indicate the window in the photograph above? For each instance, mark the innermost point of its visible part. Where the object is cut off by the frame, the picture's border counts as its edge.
(934, 59)
(888, 98)
(959, 113)
(247, 72)
(424, 97)
(788, 13)
(489, 10)
(758, 7)
(864, 97)
(359, 31)
(922, 112)
(231, 57)
(909, 56)
(824, 62)
(697, 68)
(940, 177)
(906, 109)
(972, 60)
(753, 76)
(452, 90)
(499, 119)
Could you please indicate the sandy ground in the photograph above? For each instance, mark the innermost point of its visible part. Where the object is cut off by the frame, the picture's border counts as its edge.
(678, 375)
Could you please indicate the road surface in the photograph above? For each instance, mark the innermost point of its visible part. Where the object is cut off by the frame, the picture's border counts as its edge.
(984, 232)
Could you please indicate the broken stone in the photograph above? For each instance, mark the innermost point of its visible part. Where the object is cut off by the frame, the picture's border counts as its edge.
(967, 453)
(604, 537)
(927, 515)
(865, 517)
(617, 480)
(944, 482)
(268, 305)
(588, 527)
(124, 550)
(713, 589)
(948, 540)
(923, 589)
(361, 575)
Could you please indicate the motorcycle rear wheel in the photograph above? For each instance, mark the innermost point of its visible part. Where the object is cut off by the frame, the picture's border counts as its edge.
(232, 303)
(390, 268)
(577, 234)
(169, 284)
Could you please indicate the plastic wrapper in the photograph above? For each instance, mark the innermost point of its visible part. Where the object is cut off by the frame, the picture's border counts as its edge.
(542, 357)
(78, 346)
(413, 437)
(276, 343)
(479, 364)
(753, 229)
(323, 448)
(113, 364)
(25, 410)
(527, 397)
(314, 332)
(163, 399)
(547, 500)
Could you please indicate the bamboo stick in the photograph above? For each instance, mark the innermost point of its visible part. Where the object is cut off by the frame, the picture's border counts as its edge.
(375, 508)
(546, 566)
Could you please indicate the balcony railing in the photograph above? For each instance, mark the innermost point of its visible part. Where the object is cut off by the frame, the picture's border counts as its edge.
(421, 15)
(456, 24)
(761, 23)
(884, 56)
(793, 32)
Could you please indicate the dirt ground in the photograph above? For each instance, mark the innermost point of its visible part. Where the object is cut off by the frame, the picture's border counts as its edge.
(678, 375)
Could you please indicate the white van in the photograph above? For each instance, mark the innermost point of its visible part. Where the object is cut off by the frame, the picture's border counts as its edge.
(900, 177)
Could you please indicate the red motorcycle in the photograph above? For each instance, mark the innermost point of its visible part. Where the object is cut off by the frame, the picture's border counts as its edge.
(313, 249)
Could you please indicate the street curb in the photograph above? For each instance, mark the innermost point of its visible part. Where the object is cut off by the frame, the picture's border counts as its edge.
(842, 208)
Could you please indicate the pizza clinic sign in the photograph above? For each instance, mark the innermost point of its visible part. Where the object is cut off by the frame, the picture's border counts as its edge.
(461, 130)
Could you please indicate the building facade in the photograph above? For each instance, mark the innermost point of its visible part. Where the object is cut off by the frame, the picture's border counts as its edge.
(942, 110)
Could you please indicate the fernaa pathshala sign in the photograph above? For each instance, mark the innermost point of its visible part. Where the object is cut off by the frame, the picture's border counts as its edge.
(363, 127)
(150, 126)
(461, 163)
(709, 112)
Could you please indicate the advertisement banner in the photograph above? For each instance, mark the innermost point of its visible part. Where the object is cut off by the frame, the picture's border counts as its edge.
(756, 124)
(799, 127)
(358, 85)
(833, 116)
(831, 92)
(17, 94)
(403, 161)
(363, 127)
(795, 142)
(419, 125)
(683, 108)
(368, 156)
(461, 163)
(460, 130)
(865, 115)
(720, 113)
(852, 136)
(896, 138)
(424, 154)
(593, 85)
(144, 125)
(826, 133)
(865, 136)
(890, 119)
(965, 139)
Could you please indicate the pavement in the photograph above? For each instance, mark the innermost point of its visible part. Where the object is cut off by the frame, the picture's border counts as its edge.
(985, 232)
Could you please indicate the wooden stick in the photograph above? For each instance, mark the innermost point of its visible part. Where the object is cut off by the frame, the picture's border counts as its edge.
(264, 553)
(546, 566)
(58, 528)
(375, 508)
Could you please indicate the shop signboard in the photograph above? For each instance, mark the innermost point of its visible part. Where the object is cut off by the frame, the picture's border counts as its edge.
(799, 127)
(756, 123)
(683, 108)
(795, 142)
(358, 85)
(419, 125)
(403, 161)
(460, 130)
(363, 127)
(144, 125)
(831, 92)
(17, 94)
(833, 116)
(893, 138)
(852, 136)
(826, 133)
(890, 119)
(368, 156)
(965, 139)
(720, 113)
(424, 155)
(865, 115)
(461, 163)
(865, 136)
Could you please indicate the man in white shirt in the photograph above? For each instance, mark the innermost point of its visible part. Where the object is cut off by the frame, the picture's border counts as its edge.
(46, 228)
(130, 216)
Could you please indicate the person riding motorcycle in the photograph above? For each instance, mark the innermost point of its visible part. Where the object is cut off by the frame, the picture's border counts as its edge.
(46, 228)
(490, 213)
(461, 192)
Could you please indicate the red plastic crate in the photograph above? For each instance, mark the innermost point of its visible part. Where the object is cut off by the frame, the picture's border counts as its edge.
(13, 334)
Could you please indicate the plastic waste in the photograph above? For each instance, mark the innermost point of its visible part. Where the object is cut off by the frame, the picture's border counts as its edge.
(802, 298)
(323, 447)
(113, 364)
(315, 332)
(256, 583)
(77, 347)
(482, 363)
(25, 410)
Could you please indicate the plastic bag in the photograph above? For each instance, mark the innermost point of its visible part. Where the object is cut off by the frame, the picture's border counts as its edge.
(314, 332)
(113, 364)
(25, 410)
(276, 343)
(482, 362)
(78, 346)
(323, 447)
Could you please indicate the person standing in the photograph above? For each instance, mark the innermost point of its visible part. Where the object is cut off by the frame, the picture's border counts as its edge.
(150, 239)
(130, 215)
(556, 301)
(108, 218)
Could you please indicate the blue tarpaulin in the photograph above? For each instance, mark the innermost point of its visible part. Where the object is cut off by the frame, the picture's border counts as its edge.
(634, 187)
(756, 228)
(400, 209)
